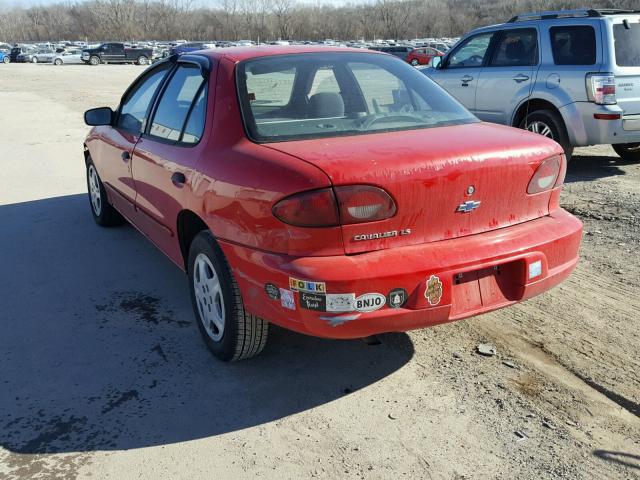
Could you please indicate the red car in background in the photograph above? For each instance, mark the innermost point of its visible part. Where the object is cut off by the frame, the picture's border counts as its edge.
(423, 55)
(335, 192)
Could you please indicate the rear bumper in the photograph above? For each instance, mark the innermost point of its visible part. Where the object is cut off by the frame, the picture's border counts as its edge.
(584, 129)
(478, 273)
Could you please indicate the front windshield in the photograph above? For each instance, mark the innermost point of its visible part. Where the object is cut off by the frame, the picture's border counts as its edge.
(319, 95)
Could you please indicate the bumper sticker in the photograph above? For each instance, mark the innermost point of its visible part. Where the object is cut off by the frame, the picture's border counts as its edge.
(341, 302)
(433, 293)
(273, 292)
(313, 301)
(287, 299)
(370, 302)
(397, 297)
(306, 286)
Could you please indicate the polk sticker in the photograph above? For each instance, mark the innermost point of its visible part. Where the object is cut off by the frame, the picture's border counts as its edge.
(341, 302)
(287, 299)
(370, 302)
(313, 301)
(433, 293)
(273, 292)
(305, 286)
(397, 297)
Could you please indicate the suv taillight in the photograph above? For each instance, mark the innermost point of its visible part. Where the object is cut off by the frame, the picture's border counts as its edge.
(332, 207)
(601, 88)
(548, 175)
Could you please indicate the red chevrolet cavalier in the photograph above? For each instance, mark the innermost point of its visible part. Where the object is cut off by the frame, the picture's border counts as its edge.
(334, 192)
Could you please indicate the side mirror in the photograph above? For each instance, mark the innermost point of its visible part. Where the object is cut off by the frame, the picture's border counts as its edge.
(98, 116)
(436, 62)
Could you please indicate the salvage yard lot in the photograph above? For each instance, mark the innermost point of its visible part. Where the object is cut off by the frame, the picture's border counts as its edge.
(103, 373)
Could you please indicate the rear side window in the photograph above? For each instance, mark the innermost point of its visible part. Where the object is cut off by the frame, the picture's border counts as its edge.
(517, 48)
(627, 44)
(182, 92)
(573, 45)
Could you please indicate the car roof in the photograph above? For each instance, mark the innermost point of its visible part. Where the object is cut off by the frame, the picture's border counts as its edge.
(238, 54)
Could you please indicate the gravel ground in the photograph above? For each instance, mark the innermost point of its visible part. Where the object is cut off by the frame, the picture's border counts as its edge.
(103, 375)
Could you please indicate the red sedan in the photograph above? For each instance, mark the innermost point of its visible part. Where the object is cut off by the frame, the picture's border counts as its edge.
(334, 192)
(422, 56)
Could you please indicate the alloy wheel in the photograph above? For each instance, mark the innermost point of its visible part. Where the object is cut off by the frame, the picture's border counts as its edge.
(208, 293)
(94, 191)
(540, 128)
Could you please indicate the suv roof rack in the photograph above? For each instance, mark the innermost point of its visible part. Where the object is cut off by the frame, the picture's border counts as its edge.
(551, 14)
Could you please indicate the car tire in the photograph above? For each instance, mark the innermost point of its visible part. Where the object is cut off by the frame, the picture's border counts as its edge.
(94, 60)
(103, 213)
(629, 152)
(57, 61)
(229, 332)
(549, 124)
(6, 60)
(34, 59)
(142, 60)
(415, 62)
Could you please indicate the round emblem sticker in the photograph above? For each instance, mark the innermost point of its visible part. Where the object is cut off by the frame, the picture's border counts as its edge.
(273, 292)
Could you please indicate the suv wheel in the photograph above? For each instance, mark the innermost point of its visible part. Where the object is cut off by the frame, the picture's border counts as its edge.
(628, 151)
(103, 213)
(549, 124)
(142, 60)
(228, 330)
(94, 60)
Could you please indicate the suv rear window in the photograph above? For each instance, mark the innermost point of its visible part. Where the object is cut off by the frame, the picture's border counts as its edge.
(573, 45)
(627, 44)
(318, 95)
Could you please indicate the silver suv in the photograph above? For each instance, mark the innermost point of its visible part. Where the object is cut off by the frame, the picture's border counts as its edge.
(573, 76)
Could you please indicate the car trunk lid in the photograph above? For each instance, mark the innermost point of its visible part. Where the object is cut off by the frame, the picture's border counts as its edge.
(626, 52)
(447, 182)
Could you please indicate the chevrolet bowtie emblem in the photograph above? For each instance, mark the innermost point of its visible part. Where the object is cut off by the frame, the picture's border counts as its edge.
(468, 206)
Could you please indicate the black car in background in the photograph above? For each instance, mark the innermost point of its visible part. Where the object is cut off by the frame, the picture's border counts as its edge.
(400, 51)
(114, 52)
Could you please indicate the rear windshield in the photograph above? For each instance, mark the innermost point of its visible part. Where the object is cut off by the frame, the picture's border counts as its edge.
(627, 44)
(573, 45)
(319, 95)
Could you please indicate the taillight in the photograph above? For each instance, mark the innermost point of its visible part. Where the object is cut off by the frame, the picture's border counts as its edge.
(548, 175)
(601, 88)
(331, 207)
(316, 208)
(364, 203)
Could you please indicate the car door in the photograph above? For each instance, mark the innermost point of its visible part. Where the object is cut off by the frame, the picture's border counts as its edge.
(165, 157)
(119, 140)
(507, 78)
(72, 56)
(114, 53)
(461, 69)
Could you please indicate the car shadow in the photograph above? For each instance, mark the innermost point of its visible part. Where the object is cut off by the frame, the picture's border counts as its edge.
(620, 458)
(583, 168)
(99, 350)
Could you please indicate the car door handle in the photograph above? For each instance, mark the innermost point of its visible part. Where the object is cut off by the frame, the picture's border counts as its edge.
(178, 179)
(126, 156)
(521, 78)
(466, 79)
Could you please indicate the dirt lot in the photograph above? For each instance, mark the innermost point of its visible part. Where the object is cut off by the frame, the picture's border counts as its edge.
(103, 375)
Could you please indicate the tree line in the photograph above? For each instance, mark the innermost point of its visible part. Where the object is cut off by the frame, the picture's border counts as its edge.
(264, 20)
